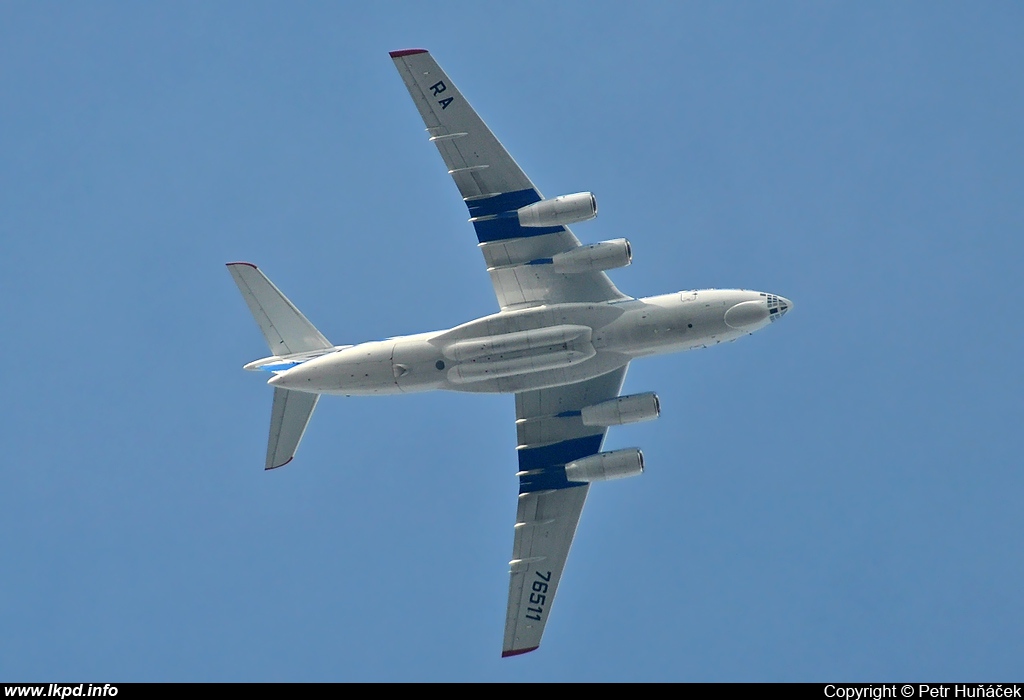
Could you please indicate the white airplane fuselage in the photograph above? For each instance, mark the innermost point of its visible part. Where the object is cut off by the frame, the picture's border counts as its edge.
(536, 347)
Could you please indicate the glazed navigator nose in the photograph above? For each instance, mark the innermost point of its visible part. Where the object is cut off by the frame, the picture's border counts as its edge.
(777, 306)
(784, 305)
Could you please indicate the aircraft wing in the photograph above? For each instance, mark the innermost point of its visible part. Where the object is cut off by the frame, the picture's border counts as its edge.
(494, 187)
(550, 434)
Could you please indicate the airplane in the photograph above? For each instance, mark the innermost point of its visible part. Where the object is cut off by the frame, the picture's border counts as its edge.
(561, 343)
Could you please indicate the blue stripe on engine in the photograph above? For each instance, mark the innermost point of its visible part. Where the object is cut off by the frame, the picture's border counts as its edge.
(506, 224)
(549, 463)
(279, 367)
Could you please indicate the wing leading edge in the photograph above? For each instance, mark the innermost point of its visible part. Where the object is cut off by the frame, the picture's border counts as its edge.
(493, 187)
(550, 434)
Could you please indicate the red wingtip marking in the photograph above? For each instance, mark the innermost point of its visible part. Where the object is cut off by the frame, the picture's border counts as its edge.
(278, 466)
(243, 263)
(405, 52)
(517, 652)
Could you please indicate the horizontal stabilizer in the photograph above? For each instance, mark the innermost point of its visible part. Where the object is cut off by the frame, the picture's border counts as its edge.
(288, 420)
(286, 330)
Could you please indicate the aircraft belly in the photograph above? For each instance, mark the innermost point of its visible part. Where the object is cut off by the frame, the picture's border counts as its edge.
(647, 329)
(521, 352)
(671, 323)
(539, 320)
(364, 369)
(600, 363)
(418, 365)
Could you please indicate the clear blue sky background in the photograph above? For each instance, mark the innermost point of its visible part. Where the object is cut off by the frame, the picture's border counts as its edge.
(836, 497)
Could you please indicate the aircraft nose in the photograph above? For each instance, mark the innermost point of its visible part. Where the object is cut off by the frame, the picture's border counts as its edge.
(777, 306)
(784, 306)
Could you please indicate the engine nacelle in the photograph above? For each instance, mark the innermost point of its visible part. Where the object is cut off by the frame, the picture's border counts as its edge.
(605, 255)
(605, 466)
(622, 410)
(567, 209)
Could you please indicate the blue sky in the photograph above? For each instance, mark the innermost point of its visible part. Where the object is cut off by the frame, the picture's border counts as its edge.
(835, 498)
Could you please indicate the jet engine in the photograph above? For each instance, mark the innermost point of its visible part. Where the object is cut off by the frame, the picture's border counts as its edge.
(605, 466)
(605, 255)
(622, 410)
(567, 209)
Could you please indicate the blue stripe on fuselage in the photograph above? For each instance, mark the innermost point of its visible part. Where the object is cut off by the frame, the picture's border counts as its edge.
(506, 224)
(550, 460)
(280, 367)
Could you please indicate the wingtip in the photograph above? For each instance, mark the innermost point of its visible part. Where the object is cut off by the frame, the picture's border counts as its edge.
(278, 466)
(517, 652)
(230, 264)
(405, 52)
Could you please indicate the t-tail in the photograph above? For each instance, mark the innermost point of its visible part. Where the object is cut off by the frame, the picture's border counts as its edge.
(292, 340)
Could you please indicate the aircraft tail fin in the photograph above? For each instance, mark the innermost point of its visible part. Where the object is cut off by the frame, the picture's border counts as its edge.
(288, 420)
(286, 330)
